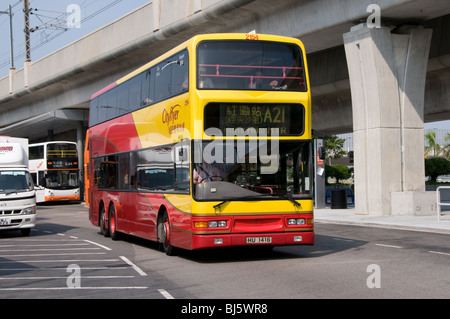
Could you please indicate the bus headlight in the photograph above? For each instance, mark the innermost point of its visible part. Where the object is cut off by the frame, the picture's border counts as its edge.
(298, 221)
(28, 211)
(211, 224)
(216, 224)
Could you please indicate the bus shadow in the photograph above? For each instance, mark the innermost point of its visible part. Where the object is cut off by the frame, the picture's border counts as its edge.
(324, 245)
(51, 205)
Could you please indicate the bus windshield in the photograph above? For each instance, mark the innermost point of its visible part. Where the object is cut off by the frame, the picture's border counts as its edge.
(250, 65)
(62, 179)
(245, 171)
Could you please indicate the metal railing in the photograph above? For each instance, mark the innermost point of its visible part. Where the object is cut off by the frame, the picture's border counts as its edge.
(438, 201)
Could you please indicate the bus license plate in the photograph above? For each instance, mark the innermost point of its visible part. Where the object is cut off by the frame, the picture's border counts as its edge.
(259, 240)
(4, 222)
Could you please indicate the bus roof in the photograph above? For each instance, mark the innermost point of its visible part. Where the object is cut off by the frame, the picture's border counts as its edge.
(196, 39)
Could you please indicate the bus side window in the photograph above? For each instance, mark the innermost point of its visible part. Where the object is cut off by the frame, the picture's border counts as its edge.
(148, 85)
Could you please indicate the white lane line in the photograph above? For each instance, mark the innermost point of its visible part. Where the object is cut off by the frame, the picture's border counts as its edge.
(389, 246)
(439, 253)
(44, 245)
(24, 240)
(46, 249)
(59, 268)
(48, 278)
(81, 288)
(165, 294)
(99, 245)
(138, 270)
(46, 255)
(59, 261)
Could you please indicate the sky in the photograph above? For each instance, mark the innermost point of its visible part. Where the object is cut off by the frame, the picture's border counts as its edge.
(94, 14)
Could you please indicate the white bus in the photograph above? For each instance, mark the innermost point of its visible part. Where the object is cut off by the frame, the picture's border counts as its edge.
(54, 168)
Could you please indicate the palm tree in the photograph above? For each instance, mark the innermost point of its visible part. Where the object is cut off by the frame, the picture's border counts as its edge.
(446, 148)
(433, 147)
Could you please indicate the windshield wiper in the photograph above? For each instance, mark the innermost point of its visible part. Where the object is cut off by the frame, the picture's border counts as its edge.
(289, 198)
(237, 199)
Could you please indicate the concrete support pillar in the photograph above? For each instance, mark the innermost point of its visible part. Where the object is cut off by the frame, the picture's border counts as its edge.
(80, 150)
(387, 77)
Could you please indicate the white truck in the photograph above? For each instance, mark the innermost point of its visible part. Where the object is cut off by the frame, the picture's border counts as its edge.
(17, 195)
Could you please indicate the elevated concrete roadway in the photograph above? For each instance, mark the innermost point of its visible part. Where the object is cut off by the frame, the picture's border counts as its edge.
(67, 78)
(51, 95)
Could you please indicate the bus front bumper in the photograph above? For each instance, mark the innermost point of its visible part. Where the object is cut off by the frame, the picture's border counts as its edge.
(62, 198)
(255, 240)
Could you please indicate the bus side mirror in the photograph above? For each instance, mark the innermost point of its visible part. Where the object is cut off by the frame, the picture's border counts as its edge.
(181, 154)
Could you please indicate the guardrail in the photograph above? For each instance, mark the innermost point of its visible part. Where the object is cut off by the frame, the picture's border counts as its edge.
(438, 201)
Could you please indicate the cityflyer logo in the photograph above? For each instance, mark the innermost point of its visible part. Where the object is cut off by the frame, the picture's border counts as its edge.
(6, 149)
(170, 116)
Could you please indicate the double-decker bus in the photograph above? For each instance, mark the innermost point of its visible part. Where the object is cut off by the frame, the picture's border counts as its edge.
(54, 168)
(208, 145)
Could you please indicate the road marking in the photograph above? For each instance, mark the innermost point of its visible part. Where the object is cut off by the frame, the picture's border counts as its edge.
(47, 278)
(165, 294)
(138, 270)
(59, 268)
(58, 261)
(44, 245)
(81, 288)
(439, 253)
(46, 249)
(93, 243)
(46, 255)
(389, 246)
(24, 240)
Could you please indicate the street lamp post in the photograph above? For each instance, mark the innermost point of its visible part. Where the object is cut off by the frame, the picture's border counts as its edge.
(12, 70)
(9, 12)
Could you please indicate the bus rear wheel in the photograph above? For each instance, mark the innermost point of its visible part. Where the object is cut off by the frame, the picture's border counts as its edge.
(112, 225)
(164, 231)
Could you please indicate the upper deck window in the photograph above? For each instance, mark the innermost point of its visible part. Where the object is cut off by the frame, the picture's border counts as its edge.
(250, 65)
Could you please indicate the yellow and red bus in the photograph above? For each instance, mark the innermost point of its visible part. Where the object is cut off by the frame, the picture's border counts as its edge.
(208, 145)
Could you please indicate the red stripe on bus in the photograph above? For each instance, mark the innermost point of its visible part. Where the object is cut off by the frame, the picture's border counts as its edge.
(106, 89)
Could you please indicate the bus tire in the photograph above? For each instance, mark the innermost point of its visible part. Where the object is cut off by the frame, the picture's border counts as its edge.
(112, 223)
(164, 232)
(102, 223)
